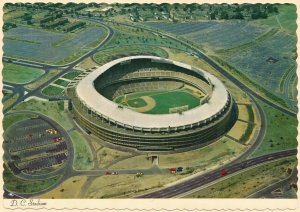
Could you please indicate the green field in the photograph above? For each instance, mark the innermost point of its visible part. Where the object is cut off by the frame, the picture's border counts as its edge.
(52, 91)
(61, 82)
(52, 109)
(247, 182)
(163, 100)
(115, 52)
(11, 118)
(138, 102)
(286, 19)
(20, 74)
(71, 75)
(83, 157)
(281, 132)
(14, 184)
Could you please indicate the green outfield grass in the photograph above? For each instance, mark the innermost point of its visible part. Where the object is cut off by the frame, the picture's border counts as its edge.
(20, 74)
(164, 100)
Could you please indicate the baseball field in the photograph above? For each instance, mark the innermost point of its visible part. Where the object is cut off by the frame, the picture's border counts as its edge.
(160, 101)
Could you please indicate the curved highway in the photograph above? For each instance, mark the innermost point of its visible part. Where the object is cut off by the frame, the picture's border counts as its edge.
(218, 68)
(198, 181)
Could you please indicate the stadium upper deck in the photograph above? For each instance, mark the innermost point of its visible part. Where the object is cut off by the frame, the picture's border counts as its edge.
(97, 103)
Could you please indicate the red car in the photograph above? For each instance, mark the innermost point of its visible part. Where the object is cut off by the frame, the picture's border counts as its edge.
(172, 170)
(223, 172)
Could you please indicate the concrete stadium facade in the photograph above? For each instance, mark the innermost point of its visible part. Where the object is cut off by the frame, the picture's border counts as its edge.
(124, 127)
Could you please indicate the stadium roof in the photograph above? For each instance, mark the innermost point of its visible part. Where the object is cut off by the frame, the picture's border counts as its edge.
(87, 93)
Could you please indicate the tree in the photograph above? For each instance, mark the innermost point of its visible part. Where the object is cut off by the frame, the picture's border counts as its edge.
(27, 17)
(212, 16)
(238, 15)
(224, 15)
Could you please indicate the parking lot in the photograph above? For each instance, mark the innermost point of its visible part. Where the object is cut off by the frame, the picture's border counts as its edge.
(34, 146)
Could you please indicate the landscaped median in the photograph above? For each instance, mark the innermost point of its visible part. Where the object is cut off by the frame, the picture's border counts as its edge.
(83, 156)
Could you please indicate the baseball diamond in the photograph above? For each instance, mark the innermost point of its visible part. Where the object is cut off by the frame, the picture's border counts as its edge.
(151, 104)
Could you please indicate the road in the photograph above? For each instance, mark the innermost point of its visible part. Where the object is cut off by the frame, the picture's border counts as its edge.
(237, 165)
(211, 62)
(199, 181)
(65, 69)
(287, 84)
(283, 185)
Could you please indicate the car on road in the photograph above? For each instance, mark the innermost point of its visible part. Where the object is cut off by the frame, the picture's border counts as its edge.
(172, 170)
(179, 169)
(114, 173)
(224, 172)
(107, 173)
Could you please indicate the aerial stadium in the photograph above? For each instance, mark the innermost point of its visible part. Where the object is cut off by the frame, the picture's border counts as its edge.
(150, 103)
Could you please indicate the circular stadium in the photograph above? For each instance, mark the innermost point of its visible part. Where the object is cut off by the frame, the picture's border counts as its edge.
(150, 103)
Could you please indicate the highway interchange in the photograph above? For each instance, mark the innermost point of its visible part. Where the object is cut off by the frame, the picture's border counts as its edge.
(237, 165)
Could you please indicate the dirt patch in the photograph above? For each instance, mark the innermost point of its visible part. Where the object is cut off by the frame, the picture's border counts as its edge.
(150, 105)
(238, 130)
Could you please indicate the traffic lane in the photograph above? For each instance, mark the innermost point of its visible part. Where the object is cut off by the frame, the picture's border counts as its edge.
(102, 172)
(202, 180)
(285, 184)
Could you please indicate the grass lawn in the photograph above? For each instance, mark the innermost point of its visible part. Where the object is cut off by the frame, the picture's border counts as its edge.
(243, 113)
(14, 184)
(125, 185)
(286, 19)
(137, 162)
(115, 52)
(70, 188)
(245, 183)
(87, 63)
(127, 35)
(71, 75)
(20, 74)
(52, 109)
(52, 91)
(11, 118)
(238, 130)
(83, 157)
(44, 79)
(281, 132)
(107, 156)
(61, 82)
(10, 101)
(211, 155)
